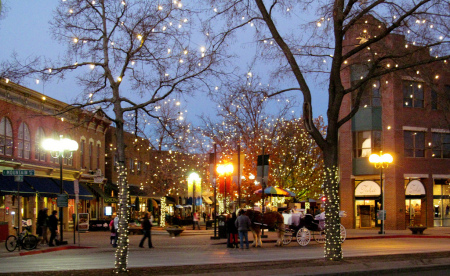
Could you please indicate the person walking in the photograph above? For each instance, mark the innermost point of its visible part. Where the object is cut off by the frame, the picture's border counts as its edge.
(232, 232)
(113, 229)
(53, 227)
(243, 224)
(196, 219)
(147, 229)
(42, 226)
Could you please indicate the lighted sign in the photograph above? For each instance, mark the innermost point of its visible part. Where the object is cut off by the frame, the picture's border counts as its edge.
(108, 211)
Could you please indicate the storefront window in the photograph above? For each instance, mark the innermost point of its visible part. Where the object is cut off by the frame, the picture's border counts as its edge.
(441, 202)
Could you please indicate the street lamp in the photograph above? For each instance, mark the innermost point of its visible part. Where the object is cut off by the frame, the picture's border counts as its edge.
(381, 162)
(224, 170)
(193, 179)
(62, 148)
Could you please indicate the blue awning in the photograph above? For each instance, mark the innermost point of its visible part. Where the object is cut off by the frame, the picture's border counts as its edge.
(44, 186)
(9, 186)
(70, 190)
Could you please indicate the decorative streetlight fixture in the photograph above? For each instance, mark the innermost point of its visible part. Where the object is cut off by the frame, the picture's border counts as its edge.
(224, 170)
(381, 162)
(193, 180)
(62, 148)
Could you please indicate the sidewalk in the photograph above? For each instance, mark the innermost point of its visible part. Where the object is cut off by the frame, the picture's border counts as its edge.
(194, 251)
(100, 239)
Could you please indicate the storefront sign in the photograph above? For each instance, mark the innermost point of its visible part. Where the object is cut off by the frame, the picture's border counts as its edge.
(368, 188)
(415, 187)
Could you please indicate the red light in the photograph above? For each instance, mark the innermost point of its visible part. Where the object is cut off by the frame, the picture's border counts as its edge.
(323, 198)
(7, 210)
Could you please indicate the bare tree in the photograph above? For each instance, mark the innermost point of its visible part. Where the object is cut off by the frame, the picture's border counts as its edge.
(130, 55)
(322, 47)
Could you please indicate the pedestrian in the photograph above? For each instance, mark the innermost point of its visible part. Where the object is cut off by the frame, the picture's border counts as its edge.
(113, 229)
(204, 217)
(147, 229)
(53, 227)
(195, 220)
(42, 226)
(232, 232)
(243, 224)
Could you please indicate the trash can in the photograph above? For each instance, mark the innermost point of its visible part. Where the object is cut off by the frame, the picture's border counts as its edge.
(222, 228)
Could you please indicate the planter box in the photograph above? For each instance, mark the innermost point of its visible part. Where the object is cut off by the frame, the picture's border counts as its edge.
(173, 231)
(417, 229)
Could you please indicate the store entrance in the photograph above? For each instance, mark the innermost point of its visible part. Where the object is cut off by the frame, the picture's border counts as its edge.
(413, 214)
(365, 213)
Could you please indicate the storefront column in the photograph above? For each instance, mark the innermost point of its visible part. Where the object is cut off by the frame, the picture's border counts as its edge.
(347, 189)
(428, 203)
(33, 206)
(9, 218)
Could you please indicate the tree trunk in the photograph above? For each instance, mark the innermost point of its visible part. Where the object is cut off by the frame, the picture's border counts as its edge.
(333, 249)
(121, 262)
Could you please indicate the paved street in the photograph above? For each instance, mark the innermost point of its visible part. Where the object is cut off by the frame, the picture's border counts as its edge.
(196, 247)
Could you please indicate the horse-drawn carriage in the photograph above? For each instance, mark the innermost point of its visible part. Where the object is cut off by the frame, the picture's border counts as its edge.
(302, 227)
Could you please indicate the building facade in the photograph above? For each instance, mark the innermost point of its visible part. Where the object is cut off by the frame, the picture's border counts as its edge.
(406, 114)
(26, 118)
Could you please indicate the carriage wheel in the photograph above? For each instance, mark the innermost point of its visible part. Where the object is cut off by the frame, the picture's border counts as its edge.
(303, 236)
(343, 233)
(287, 237)
(319, 236)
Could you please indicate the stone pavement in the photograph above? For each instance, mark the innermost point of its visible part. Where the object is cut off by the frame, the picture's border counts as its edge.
(196, 247)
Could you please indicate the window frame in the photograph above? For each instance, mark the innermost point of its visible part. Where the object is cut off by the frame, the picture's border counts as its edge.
(357, 151)
(439, 143)
(6, 137)
(415, 147)
(410, 98)
(39, 153)
(24, 142)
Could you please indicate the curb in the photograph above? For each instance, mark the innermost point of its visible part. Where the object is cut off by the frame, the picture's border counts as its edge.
(53, 249)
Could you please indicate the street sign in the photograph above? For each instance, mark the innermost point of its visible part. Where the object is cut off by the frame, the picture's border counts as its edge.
(17, 172)
(62, 200)
(18, 178)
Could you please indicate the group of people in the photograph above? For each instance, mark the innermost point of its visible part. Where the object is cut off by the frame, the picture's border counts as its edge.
(146, 223)
(45, 223)
(238, 226)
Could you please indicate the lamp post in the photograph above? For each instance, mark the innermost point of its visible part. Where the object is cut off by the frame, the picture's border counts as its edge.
(192, 180)
(381, 162)
(62, 148)
(224, 170)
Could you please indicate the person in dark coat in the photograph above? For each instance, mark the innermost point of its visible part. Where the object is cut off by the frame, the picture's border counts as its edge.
(232, 232)
(42, 226)
(52, 226)
(147, 229)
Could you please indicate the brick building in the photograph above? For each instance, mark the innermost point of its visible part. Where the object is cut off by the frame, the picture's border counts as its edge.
(400, 113)
(26, 118)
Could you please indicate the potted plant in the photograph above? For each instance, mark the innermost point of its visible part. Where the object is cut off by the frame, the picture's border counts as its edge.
(175, 230)
(417, 229)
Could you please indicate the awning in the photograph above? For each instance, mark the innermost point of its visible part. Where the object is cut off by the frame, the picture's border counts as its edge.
(70, 189)
(9, 186)
(100, 193)
(170, 200)
(44, 186)
(207, 200)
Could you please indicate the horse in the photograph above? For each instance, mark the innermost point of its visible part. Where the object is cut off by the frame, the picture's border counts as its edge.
(269, 220)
